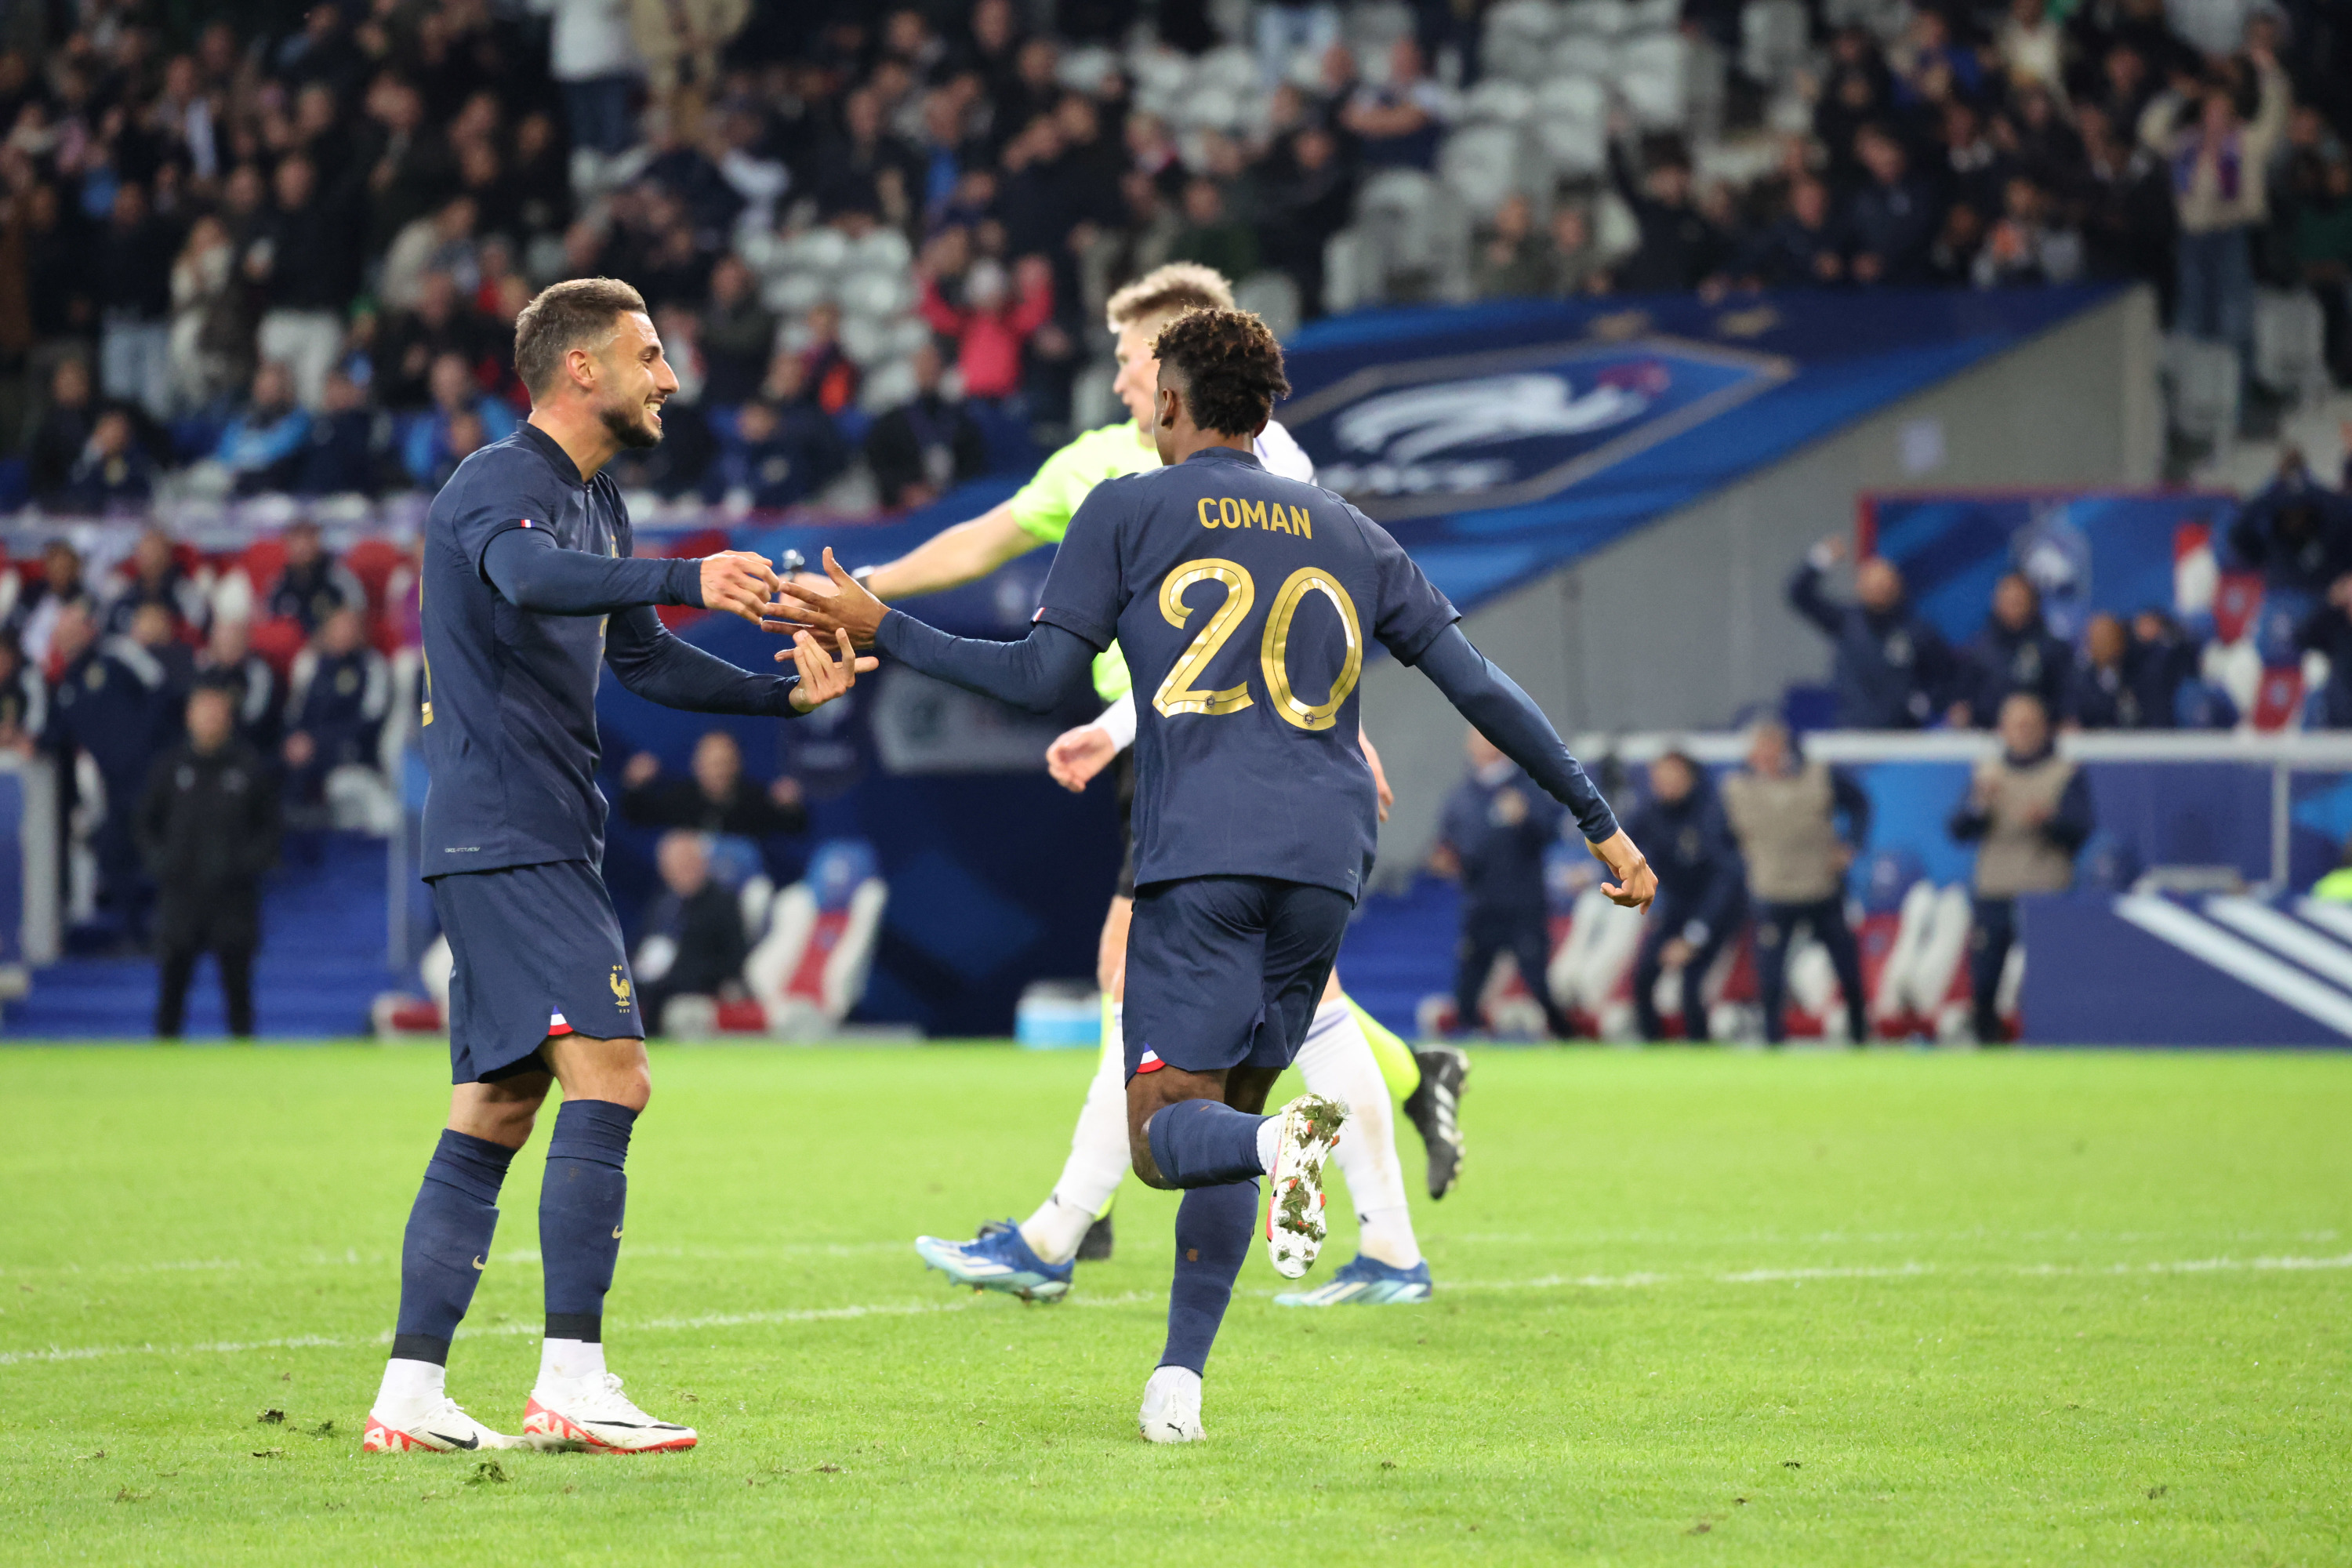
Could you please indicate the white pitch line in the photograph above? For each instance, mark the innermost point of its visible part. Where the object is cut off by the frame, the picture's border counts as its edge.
(1134, 1299)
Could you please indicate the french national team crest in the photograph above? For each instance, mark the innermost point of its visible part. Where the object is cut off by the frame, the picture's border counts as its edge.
(1503, 428)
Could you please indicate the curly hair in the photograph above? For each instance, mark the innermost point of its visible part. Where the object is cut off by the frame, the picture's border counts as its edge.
(1230, 366)
(1170, 290)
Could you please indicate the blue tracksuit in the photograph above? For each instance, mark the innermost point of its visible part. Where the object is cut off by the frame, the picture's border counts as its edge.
(1702, 898)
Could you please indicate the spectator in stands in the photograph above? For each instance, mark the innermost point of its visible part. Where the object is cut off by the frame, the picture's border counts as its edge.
(342, 459)
(928, 446)
(782, 454)
(699, 924)
(429, 451)
(59, 438)
(41, 600)
(991, 326)
(154, 629)
(1892, 668)
(113, 474)
(2027, 812)
(1492, 833)
(1784, 811)
(737, 336)
(207, 827)
(2033, 243)
(263, 447)
(24, 701)
(2323, 253)
(1396, 123)
(108, 701)
(2103, 695)
(2164, 660)
(1309, 196)
(1678, 246)
(592, 55)
(314, 584)
(2015, 652)
(132, 265)
(717, 798)
(1702, 898)
(1892, 219)
(1802, 249)
(1510, 259)
(156, 577)
(305, 261)
(2218, 196)
(413, 340)
(1212, 236)
(2327, 629)
(337, 698)
(2297, 532)
(230, 663)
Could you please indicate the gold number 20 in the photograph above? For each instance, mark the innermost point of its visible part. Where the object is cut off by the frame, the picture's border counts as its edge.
(1176, 694)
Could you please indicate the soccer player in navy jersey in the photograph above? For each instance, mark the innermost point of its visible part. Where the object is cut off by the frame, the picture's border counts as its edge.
(1243, 600)
(529, 588)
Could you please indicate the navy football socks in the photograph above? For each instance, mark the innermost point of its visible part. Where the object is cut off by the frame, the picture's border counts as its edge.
(447, 1243)
(579, 1211)
(1205, 1143)
(1213, 1227)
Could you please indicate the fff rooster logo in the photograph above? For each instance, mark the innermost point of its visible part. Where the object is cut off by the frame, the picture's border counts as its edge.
(1467, 432)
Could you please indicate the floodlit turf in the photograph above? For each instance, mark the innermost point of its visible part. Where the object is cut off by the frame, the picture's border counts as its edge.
(1885, 1308)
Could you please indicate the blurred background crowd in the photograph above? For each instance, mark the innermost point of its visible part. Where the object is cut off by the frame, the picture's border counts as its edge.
(279, 249)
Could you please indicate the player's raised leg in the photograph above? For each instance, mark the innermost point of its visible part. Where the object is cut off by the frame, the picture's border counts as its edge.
(442, 1255)
(1223, 975)
(582, 1211)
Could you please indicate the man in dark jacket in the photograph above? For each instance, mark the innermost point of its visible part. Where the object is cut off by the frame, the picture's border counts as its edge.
(2015, 652)
(109, 702)
(699, 926)
(314, 584)
(2297, 533)
(1679, 246)
(717, 799)
(1492, 834)
(254, 689)
(2328, 630)
(1893, 668)
(1701, 899)
(1891, 220)
(208, 829)
(926, 446)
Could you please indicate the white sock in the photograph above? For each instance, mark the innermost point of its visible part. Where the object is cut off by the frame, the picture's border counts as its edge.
(567, 1361)
(1338, 1063)
(1269, 1131)
(1387, 1236)
(1098, 1158)
(410, 1386)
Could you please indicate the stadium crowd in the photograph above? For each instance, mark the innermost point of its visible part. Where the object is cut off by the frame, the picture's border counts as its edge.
(244, 259)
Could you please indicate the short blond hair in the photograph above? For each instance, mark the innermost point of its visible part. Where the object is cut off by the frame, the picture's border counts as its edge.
(1166, 292)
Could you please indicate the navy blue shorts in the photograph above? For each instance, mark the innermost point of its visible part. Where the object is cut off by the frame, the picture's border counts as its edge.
(1226, 972)
(538, 953)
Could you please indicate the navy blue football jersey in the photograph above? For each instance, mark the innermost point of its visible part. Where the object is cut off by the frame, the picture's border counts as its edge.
(509, 697)
(1243, 601)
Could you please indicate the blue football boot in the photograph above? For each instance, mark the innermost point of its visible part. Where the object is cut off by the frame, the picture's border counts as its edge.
(997, 1260)
(1365, 1282)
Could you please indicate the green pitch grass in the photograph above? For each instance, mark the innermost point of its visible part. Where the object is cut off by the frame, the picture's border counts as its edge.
(1876, 1308)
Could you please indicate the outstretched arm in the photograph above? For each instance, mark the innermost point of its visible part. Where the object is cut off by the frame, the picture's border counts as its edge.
(670, 670)
(532, 572)
(954, 557)
(1039, 672)
(1508, 717)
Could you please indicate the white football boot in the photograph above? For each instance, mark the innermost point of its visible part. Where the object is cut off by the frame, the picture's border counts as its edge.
(593, 1414)
(438, 1427)
(1171, 1407)
(1293, 1213)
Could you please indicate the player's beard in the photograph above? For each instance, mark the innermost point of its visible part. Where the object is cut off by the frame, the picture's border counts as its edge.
(633, 425)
